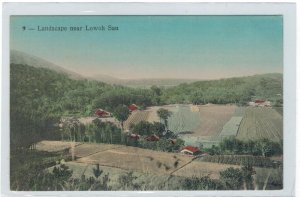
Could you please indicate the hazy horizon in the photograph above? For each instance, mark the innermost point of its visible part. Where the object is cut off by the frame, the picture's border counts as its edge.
(156, 47)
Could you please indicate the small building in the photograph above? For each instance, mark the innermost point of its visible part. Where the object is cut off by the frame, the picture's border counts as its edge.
(134, 137)
(190, 150)
(260, 103)
(133, 107)
(102, 113)
(152, 138)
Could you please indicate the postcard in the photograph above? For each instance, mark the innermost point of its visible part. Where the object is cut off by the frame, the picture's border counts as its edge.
(150, 102)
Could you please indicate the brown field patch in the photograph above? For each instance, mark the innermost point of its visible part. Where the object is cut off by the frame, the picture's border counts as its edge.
(137, 159)
(86, 149)
(200, 120)
(200, 169)
(53, 146)
(212, 119)
(126, 158)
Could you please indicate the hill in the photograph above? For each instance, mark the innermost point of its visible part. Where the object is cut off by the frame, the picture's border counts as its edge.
(141, 83)
(40, 96)
(239, 90)
(18, 57)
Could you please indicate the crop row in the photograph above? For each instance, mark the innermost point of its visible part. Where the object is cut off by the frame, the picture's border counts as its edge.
(240, 160)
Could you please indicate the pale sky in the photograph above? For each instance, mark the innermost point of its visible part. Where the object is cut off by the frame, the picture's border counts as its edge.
(189, 47)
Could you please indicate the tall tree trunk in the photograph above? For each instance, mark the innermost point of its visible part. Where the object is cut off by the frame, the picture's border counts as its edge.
(266, 181)
(122, 125)
(245, 185)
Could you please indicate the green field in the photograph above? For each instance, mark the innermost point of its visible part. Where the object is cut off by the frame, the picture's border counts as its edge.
(261, 122)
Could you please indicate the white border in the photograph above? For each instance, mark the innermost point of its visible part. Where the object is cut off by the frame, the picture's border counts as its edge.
(288, 10)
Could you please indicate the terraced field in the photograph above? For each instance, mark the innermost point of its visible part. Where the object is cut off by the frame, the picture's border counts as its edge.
(208, 124)
(261, 122)
(207, 120)
(126, 158)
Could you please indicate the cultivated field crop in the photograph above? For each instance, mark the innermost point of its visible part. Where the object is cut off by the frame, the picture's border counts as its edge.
(137, 159)
(126, 158)
(184, 119)
(212, 119)
(207, 120)
(136, 117)
(261, 122)
(240, 160)
(231, 127)
(200, 169)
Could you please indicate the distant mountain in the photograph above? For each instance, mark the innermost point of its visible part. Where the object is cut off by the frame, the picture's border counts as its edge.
(146, 83)
(141, 83)
(106, 79)
(18, 57)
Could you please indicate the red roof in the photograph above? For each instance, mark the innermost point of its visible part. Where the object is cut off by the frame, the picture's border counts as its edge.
(132, 107)
(260, 101)
(152, 138)
(134, 136)
(192, 149)
(101, 113)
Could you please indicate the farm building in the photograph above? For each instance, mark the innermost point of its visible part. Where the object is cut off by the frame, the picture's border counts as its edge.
(260, 103)
(152, 138)
(134, 137)
(133, 107)
(102, 113)
(190, 150)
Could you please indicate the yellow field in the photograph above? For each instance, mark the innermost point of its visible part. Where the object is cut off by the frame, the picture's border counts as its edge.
(213, 118)
(136, 159)
(199, 169)
(53, 146)
(140, 160)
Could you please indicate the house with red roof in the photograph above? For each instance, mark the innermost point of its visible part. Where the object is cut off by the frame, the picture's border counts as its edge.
(134, 137)
(152, 138)
(190, 150)
(133, 107)
(102, 113)
(260, 103)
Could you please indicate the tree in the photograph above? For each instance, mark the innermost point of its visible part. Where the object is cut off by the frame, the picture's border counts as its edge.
(264, 147)
(97, 172)
(121, 113)
(72, 127)
(127, 181)
(142, 128)
(248, 172)
(203, 183)
(157, 128)
(232, 178)
(164, 114)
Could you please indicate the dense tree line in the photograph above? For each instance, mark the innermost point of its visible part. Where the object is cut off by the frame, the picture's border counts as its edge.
(233, 146)
(233, 90)
(240, 159)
